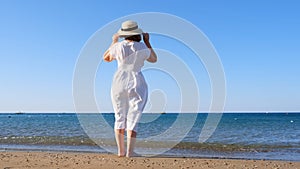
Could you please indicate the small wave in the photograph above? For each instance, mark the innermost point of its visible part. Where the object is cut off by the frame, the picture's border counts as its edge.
(47, 140)
(85, 141)
(233, 147)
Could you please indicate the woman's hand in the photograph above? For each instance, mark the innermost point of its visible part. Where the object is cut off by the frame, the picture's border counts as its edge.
(115, 38)
(146, 37)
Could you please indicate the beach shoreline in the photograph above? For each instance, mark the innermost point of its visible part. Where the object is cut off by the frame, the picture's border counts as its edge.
(83, 160)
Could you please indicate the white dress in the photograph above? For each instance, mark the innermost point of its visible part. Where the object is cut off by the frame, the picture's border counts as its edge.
(129, 90)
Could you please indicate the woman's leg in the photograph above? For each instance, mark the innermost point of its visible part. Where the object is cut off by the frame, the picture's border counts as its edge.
(119, 134)
(120, 105)
(137, 101)
(131, 139)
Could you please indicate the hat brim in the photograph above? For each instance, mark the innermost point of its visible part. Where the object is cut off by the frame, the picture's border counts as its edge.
(130, 33)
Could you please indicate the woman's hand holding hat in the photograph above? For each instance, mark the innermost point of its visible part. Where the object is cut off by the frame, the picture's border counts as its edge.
(146, 37)
(115, 38)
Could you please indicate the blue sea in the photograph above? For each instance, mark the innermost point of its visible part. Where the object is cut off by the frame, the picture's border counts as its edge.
(270, 136)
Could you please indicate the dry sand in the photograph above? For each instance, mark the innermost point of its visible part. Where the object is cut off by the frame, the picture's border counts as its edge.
(54, 160)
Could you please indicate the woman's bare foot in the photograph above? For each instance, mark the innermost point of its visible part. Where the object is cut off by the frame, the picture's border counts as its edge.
(133, 154)
(121, 155)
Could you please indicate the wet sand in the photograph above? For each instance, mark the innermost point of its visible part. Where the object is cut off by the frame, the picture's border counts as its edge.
(51, 160)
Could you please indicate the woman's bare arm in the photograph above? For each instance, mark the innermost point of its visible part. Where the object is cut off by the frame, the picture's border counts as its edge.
(153, 56)
(107, 57)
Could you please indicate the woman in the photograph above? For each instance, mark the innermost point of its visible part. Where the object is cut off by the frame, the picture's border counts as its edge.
(129, 90)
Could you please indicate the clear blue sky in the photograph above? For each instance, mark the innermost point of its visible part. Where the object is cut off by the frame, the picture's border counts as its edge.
(257, 42)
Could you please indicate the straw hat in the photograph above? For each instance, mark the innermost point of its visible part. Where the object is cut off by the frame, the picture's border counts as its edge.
(129, 28)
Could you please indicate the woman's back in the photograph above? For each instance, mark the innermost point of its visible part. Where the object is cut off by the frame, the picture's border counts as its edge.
(130, 54)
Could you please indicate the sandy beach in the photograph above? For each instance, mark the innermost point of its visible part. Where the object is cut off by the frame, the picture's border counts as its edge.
(47, 160)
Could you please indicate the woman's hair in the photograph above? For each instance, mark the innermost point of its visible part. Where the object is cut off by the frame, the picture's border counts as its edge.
(136, 38)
